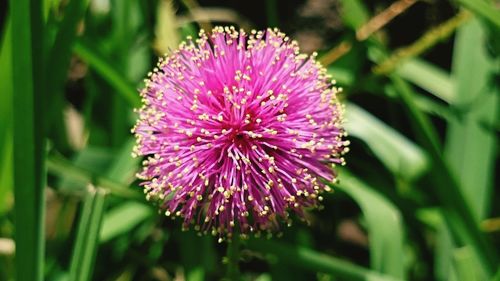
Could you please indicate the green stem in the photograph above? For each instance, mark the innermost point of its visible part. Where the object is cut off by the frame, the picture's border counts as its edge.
(29, 138)
(424, 43)
(58, 165)
(308, 259)
(447, 190)
(233, 256)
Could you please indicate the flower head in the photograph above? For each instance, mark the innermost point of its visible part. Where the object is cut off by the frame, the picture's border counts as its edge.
(239, 130)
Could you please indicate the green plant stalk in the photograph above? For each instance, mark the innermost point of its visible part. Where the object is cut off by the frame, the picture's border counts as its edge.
(316, 262)
(6, 116)
(447, 190)
(428, 40)
(59, 58)
(29, 177)
(233, 256)
(122, 38)
(82, 261)
(60, 166)
(108, 73)
(483, 9)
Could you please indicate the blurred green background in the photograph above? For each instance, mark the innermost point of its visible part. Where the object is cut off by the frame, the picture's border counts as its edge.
(418, 199)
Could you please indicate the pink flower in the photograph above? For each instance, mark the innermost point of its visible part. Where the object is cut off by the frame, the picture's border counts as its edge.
(239, 130)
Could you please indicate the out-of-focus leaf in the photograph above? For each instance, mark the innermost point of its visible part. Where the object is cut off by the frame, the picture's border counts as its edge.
(386, 243)
(396, 152)
(60, 53)
(483, 9)
(124, 165)
(167, 37)
(497, 276)
(466, 265)
(446, 189)
(443, 253)
(62, 167)
(470, 146)
(343, 76)
(424, 103)
(108, 73)
(6, 180)
(122, 219)
(316, 262)
(92, 159)
(354, 13)
(196, 265)
(428, 77)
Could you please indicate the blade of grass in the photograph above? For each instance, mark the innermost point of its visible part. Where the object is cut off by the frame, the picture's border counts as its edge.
(428, 77)
(86, 244)
(470, 147)
(29, 177)
(233, 259)
(354, 13)
(122, 15)
(483, 9)
(60, 53)
(108, 73)
(396, 152)
(446, 189)
(422, 44)
(465, 265)
(196, 266)
(57, 165)
(387, 242)
(124, 166)
(6, 180)
(316, 262)
(126, 216)
(122, 219)
(58, 63)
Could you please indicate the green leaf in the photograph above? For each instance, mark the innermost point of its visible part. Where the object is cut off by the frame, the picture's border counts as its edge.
(6, 142)
(124, 166)
(94, 159)
(428, 77)
(197, 255)
(470, 146)
(401, 156)
(60, 53)
(59, 166)
(86, 244)
(354, 13)
(387, 242)
(108, 73)
(483, 9)
(122, 219)
(29, 140)
(314, 261)
(466, 265)
(446, 189)
(342, 75)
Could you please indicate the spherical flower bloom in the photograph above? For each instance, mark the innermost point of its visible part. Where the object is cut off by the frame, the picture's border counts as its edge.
(239, 130)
